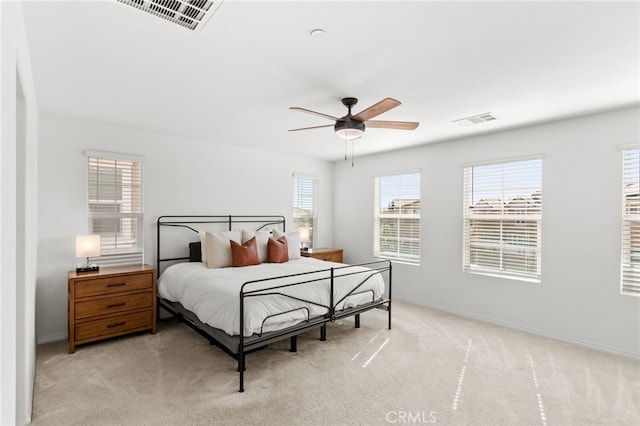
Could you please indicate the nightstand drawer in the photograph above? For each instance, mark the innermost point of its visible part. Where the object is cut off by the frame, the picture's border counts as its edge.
(113, 304)
(108, 285)
(326, 254)
(114, 325)
(331, 257)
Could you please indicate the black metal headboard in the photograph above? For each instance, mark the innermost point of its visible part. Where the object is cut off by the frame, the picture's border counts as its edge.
(192, 223)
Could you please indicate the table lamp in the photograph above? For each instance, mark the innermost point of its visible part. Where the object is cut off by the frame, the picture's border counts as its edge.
(304, 238)
(87, 246)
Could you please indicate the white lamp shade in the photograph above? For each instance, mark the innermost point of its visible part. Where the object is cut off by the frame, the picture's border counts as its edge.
(87, 245)
(304, 234)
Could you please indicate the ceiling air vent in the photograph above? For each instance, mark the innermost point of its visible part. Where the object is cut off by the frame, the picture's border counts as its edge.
(475, 119)
(191, 14)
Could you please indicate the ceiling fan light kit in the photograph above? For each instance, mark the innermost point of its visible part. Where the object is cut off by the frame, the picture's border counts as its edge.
(352, 127)
(345, 131)
(348, 127)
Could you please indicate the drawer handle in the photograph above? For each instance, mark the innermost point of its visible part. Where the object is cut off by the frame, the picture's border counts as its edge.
(115, 305)
(118, 324)
(116, 285)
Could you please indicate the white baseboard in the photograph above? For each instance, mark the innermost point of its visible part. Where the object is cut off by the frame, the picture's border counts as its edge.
(23, 421)
(565, 339)
(52, 338)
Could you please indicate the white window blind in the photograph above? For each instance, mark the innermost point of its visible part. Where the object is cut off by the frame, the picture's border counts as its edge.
(503, 218)
(396, 225)
(631, 222)
(115, 209)
(304, 207)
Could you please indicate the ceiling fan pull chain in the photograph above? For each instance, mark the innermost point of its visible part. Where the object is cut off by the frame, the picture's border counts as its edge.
(351, 152)
(345, 150)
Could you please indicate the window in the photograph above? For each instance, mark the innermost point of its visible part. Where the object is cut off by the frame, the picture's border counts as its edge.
(630, 282)
(396, 225)
(304, 208)
(115, 208)
(502, 219)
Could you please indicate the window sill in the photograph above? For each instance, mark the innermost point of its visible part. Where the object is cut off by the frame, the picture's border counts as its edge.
(505, 276)
(400, 261)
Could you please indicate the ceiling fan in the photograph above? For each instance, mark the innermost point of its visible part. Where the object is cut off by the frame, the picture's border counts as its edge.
(352, 127)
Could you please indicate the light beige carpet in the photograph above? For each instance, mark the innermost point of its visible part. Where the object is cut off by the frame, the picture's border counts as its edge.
(431, 368)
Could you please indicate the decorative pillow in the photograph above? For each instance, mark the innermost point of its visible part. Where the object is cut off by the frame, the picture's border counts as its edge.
(203, 247)
(261, 242)
(219, 249)
(245, 254)
(195, 252)
(293, 241)
(277, 250)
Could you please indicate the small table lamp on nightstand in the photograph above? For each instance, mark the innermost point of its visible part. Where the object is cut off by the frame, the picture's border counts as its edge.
(304, 238)
(87, 246)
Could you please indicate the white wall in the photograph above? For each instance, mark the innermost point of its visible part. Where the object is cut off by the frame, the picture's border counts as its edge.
(181, 176)
(18, 218)
(578, 299)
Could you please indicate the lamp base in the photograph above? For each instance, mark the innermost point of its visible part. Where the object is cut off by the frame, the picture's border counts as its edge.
(92, 268)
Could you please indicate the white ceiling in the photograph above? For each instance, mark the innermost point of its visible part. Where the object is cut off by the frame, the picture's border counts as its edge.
(234, 81)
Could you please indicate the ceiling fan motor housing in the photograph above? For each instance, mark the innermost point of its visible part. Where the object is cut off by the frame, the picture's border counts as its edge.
(347, 123)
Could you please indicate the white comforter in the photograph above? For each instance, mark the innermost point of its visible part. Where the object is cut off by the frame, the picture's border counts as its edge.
(214, 294)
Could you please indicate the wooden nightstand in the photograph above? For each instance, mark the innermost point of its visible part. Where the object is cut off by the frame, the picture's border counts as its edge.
(328, 254)
(112, 302)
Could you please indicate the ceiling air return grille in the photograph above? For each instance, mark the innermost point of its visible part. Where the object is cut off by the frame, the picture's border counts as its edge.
(191, 14)
(475, 119)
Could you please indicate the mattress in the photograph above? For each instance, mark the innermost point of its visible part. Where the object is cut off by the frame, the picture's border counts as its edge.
(213, 294)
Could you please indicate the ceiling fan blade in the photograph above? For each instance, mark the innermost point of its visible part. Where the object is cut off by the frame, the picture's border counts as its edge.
(400, 125)
(377, 109)
(330, 117)
(313, 127)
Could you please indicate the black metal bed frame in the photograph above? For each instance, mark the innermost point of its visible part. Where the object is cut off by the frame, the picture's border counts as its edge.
(239, 346)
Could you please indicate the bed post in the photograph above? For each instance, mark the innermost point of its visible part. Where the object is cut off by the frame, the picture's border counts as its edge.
(241, 344)
(157, 265)
(158, 246)
(333, 308)
(390, 275)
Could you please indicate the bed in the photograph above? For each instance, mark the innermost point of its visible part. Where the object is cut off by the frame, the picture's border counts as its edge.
(244, 308)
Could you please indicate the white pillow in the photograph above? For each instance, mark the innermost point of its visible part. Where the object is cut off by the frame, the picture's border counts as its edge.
(262, 238)
(203, 246)
(219, 248)
(293, 242)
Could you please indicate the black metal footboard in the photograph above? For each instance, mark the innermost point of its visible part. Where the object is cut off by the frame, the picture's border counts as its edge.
(333, 311)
